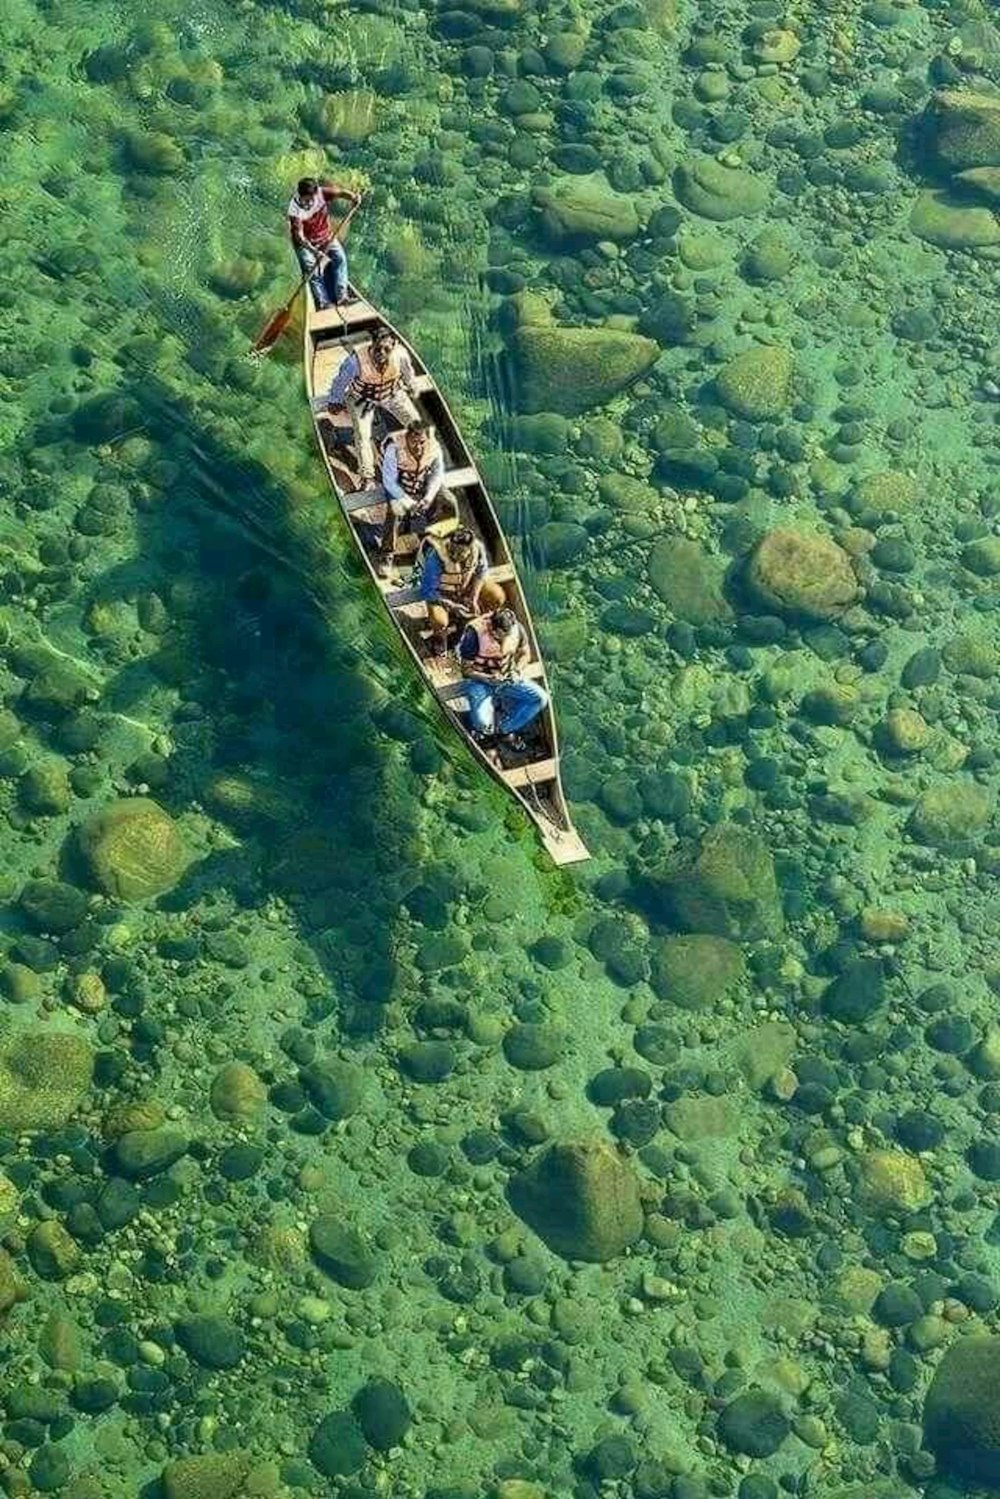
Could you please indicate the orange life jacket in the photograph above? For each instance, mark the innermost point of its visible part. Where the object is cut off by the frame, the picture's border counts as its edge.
(373, 384)
(454, 578)
(413, 471)
(493, 656)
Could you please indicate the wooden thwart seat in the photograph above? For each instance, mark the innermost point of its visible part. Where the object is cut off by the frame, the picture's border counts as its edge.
(364, 499)
(532, 774)
(348, 316)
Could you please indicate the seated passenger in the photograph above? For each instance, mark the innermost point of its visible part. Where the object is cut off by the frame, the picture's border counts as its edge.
(494, 651)
(377, 376)
(453, 583)
(412, 476)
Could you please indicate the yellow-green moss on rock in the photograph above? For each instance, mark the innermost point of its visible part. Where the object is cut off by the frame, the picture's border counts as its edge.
(893, 1182)
(133, 850)
(571, 370)
(582, 1199)
(757, 384)
(44, 1077)
(697, 970)
(802, 573)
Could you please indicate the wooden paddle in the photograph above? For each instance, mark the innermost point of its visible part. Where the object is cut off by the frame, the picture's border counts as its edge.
(279, 321)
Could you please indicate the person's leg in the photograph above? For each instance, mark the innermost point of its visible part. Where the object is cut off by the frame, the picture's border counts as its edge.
(335, 273)
(362, 414)
(482, 715)
(401, 409)
(491, 596)
(309, 265)
(519, 704)
(439, 620)
(396, 518)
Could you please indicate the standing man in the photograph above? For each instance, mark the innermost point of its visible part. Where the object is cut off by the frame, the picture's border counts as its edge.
(319, 252)
(374, 376)
(494, 650)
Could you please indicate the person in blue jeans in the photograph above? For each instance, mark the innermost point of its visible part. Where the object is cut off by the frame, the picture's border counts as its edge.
(319, 253)
(494, 650)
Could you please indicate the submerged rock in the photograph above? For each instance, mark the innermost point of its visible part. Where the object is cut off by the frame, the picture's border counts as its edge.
(951, 223)
(696, 971)
(962, 1410)
(950, 813)
(689, 580)
(586, 208)
(582, 1199)
(44, 1077)
(718, 192)
(133, 849)
(570, 370)
(211, 1475)
(726, 888)
(893, 1183)
(964, 126)
(802, 572)
(757, 384)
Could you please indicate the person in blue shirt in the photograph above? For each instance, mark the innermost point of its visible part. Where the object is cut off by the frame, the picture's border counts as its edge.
(453, 582)
(494, 650)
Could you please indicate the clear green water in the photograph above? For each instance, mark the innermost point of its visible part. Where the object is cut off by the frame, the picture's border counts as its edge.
(347, 1147)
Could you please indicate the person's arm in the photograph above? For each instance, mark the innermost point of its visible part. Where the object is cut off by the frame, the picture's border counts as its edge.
(468, 649)
(348, 371)
(331, 192)
(431, 569)
(390, 472)
(522, 655)
(406, 376)
(477, 576)
(435, 478)
(295, 230)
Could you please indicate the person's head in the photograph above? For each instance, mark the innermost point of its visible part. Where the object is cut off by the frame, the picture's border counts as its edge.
(383, 342)
(503, 621)
(417, 437)
(308, 188)
(460, 544)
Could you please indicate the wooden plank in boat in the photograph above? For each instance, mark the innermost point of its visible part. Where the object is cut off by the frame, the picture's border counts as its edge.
(341, 318)
(533, 774)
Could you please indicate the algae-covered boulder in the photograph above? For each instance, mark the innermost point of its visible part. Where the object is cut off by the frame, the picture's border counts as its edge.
(889, 489)
(718, 192)
(570, 370)
(44, 1077)
(893, 1183)
(11, 1286)
(582, 1199)
(757, 384)
(237, 1092)
(802, 573)
(211, 1475)
(688, 579)
(586, 208)
(984, 182)
(348, 118)
(964, 126)
(154, 153)
(697, 970)
(52, 905)
(940, 218)
(950, 813)
(962, 1410)
(754, 1424)
(133, 850)
(725, 888)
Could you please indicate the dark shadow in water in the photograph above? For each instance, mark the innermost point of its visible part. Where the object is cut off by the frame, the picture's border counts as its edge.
(277, 730)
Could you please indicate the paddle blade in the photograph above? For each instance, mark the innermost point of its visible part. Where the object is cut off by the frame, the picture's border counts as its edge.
(273, 330)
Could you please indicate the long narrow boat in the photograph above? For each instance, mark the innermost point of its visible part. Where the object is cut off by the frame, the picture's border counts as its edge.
(533, 780)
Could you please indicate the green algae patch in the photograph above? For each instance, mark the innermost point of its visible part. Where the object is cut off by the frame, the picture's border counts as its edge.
(211, 1475)
(893, 1183)
(582, 1199)
(44, 1078)
(133, 850)
(571, 370)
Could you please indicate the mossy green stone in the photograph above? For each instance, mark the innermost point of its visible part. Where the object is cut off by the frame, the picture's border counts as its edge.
(154, 153)
(951, 813)
(965, 128)
(52, 905)
(757, 384)
(688, 579)
(982, 557)
(213, 1341)
(532, 1047)
(983, 181)
(887, 490)
(726, 888)
(133, 850)
(210, 1475)
(572, 370)
(941, 219)
(586, 208)
(142, 1153)
(337, 1446)
(383, 1413)
(582, 1199)
(53, 1252)
(962, 1410)
(11, 1285)
(348, 118)
(802, 573)
(696, 971)
(719, 192)
(342, 1252)
(44, 1077)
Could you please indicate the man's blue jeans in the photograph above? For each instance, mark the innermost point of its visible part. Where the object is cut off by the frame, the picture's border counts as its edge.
(504, 707)
(329, 284)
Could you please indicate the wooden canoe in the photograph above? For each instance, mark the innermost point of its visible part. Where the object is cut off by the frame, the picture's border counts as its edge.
(532, 779)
